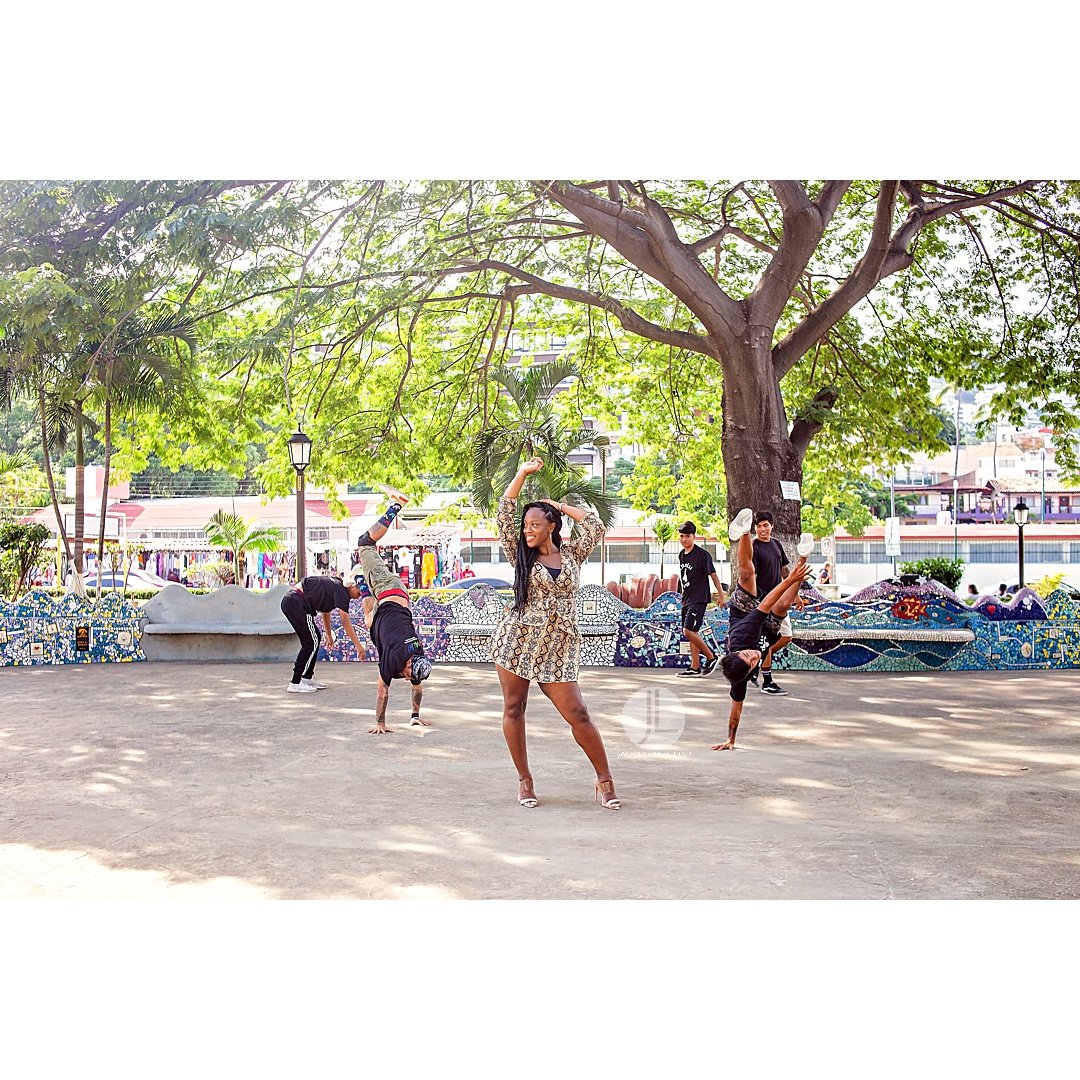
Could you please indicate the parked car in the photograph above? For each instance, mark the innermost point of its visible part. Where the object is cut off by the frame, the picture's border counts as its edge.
(137, 581)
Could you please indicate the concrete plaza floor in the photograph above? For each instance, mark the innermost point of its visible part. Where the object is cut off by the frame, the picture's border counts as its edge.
(208, 781)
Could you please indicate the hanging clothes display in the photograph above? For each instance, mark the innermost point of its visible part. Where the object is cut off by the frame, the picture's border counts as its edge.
(428, 569)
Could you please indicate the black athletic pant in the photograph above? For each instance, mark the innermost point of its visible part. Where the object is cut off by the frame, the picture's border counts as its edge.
(294, 609)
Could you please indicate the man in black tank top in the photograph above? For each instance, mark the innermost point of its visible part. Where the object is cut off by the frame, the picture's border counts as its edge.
(388, 617)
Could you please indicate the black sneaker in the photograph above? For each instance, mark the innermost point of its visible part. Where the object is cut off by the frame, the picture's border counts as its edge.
(690, 673)
(773, 688)
(707, 666)
(753, 676)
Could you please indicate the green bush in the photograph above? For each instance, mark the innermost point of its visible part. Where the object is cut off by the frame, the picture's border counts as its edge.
(948, 571)
(20, 549)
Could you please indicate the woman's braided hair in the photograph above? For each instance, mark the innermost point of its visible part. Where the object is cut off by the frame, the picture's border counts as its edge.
(526, 555)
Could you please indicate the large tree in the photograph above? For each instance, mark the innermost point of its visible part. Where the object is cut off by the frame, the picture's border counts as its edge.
(821, 309)
(750, 332)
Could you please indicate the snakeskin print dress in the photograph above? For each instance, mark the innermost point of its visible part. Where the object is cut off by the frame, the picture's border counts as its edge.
(544, 642)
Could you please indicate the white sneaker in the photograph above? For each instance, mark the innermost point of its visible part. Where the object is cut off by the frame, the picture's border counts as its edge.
(313, 684)
(393, 492)
(806, 544)
(744, 519)
(300, 688)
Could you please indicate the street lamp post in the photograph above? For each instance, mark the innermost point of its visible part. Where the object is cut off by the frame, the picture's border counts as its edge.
(602, 443)
(1042, 506)
(955, 536)
(300, 456)
(1020, 515)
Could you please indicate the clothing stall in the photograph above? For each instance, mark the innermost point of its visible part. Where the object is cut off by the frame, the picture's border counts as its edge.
(424, 557)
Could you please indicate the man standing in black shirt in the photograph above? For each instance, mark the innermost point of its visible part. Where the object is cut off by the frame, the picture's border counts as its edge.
(755, 624)
(770, 566)
(695, 569)
(388, 617)
(316, 594)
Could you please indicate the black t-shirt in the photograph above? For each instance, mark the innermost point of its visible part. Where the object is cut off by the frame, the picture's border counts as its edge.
(748, 632)
(695, 566)
(769, 560)
(324, 594)
(393, 634)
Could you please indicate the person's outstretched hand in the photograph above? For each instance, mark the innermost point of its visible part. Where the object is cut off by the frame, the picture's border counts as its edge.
(533, 465)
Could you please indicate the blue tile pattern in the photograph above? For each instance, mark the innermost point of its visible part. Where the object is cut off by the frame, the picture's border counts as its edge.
(38, 630)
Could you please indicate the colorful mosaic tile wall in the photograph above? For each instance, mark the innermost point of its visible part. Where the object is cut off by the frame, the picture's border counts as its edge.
(1026, 632)
(39, 630)
(886, 627)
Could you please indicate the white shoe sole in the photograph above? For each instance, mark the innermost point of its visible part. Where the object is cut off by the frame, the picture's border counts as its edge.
(744, 519)
(296, 689)
(393, 493)
(806, 544)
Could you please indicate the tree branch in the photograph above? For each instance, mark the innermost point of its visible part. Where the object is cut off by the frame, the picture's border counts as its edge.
(629, 318)
(803, 229)
(829, 199)
(812, 418)
(648, 240)
(868, 271)
(715, 238)
(955, 206)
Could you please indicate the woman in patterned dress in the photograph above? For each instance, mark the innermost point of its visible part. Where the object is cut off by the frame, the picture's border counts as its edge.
(538, 637)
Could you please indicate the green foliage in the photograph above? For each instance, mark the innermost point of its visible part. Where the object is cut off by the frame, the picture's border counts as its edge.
(239, 536)
(525, 425)
(1047, 584)
(376, 313)
(663, 529)
(948, 571)
(20, 550)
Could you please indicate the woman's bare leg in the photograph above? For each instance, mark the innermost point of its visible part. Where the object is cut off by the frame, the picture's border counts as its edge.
(515, 692)
(566, 697)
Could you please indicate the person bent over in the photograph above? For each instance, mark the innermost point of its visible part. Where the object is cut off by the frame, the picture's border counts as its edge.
(316, 595)
(388, 617)
(755, 625)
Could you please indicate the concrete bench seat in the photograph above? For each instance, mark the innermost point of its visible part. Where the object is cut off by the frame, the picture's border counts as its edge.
(230, 623)
(217, 628)
(880, 633)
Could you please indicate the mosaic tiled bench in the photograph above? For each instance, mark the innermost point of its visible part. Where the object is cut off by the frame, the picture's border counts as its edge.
(874, 633)
(476, 613)
(38, 630)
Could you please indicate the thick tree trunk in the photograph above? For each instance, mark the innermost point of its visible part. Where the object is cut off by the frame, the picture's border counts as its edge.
(757, 447)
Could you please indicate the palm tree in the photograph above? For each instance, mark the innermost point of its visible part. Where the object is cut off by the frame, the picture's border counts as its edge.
(525, 425)
(233, 532)
(125, 367)
(663, 530)
(14, 469)
(29, 368)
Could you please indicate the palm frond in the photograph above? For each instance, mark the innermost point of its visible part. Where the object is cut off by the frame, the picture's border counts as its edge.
(582, 492)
